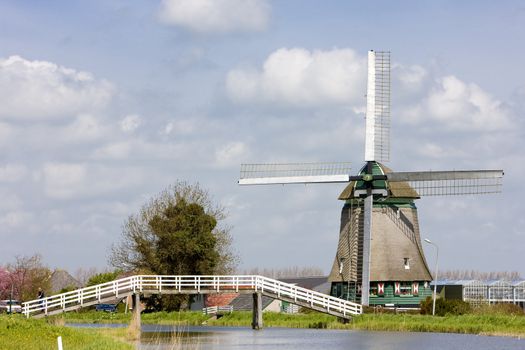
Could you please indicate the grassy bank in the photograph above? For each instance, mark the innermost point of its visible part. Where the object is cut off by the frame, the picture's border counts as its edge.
(500, 325)
(486, 324)
(17, 332)
(469, 324)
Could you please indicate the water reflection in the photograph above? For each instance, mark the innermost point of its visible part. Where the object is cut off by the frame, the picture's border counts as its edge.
(216, 338)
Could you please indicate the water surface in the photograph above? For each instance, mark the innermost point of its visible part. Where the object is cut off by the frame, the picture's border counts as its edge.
(216, 338)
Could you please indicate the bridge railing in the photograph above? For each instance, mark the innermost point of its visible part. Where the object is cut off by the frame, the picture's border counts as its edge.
(308, 296)
(80, 296)
(187, 284)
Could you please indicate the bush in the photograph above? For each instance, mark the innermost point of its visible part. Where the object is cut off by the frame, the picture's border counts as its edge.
(103, 278)
(445, 307)
(66, 289)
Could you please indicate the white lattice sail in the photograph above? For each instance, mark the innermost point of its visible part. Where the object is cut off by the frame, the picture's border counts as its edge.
(377, 138)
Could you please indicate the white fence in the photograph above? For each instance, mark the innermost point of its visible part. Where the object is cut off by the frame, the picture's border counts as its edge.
(156, 284)
(214, 310)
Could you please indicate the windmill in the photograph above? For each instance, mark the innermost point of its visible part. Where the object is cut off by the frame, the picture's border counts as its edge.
(378, 203)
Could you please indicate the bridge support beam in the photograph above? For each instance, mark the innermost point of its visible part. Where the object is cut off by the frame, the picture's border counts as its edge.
(257, 318)
(135, 325)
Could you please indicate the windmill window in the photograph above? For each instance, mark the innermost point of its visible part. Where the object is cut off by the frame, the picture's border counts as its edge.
(405, 288)
(373, 290)
(407, 263)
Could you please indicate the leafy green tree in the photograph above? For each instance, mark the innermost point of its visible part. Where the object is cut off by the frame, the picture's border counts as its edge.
(103, 277)
(185, 243)
(180, 232)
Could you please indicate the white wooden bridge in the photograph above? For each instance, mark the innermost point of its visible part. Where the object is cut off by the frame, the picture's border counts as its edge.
(156, 284)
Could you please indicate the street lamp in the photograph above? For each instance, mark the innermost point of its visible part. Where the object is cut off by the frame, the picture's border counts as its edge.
(435, 275)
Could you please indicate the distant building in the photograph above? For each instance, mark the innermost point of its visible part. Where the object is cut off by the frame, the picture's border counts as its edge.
(483, 292)
(61, 279)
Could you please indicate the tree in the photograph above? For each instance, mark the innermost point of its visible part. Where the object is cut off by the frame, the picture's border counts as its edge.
(5, 283)
(286, 272)
(103, 277)
(82, 275)
(26, 275)
(179, 231)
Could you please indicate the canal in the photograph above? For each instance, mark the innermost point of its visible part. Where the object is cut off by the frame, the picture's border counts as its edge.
(217, 338)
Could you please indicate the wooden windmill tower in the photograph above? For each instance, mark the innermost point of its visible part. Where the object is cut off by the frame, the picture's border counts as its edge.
(379, 258)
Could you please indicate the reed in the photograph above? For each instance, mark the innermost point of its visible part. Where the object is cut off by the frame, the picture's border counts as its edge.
(17, 332)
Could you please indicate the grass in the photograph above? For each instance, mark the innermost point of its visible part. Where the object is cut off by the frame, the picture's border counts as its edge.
(501, 325)
(17, 332)
(484, 322)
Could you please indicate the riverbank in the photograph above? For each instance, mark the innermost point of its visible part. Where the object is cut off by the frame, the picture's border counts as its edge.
(17, 332)
(480, 324)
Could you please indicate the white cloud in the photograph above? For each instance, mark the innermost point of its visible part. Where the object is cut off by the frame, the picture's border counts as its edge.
(180, 127)
(12, 172)
(5, 132)
(10, 201)
(453, 105)
(63, 180)
(409, 75)
(409, 81)
(231, 154)
(85, 127)
(15, 219)
(437, 151)
(215, 16)
(81, 180)
(466, 106)
(115, 150)
(304, 78)
(36, 90)
(130, 123)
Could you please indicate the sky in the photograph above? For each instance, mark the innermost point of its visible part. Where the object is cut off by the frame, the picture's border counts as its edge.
(103, 104)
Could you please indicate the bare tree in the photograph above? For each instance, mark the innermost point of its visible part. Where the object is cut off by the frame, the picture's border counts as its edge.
(82, 275)
(286, 272)
(479, 275)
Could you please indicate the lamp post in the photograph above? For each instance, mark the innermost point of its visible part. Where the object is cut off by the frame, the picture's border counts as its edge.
(435, 275)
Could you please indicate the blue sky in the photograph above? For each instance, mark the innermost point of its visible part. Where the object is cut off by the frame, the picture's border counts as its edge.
(105, 103)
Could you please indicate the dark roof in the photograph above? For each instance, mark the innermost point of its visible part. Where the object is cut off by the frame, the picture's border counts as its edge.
(306, 282)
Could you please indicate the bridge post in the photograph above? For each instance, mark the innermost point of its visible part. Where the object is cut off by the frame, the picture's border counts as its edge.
(135, 318)
(257, 318)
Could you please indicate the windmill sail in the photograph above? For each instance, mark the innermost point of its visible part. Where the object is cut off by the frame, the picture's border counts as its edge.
(446, 183)
(377, 138)
(294, 173)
